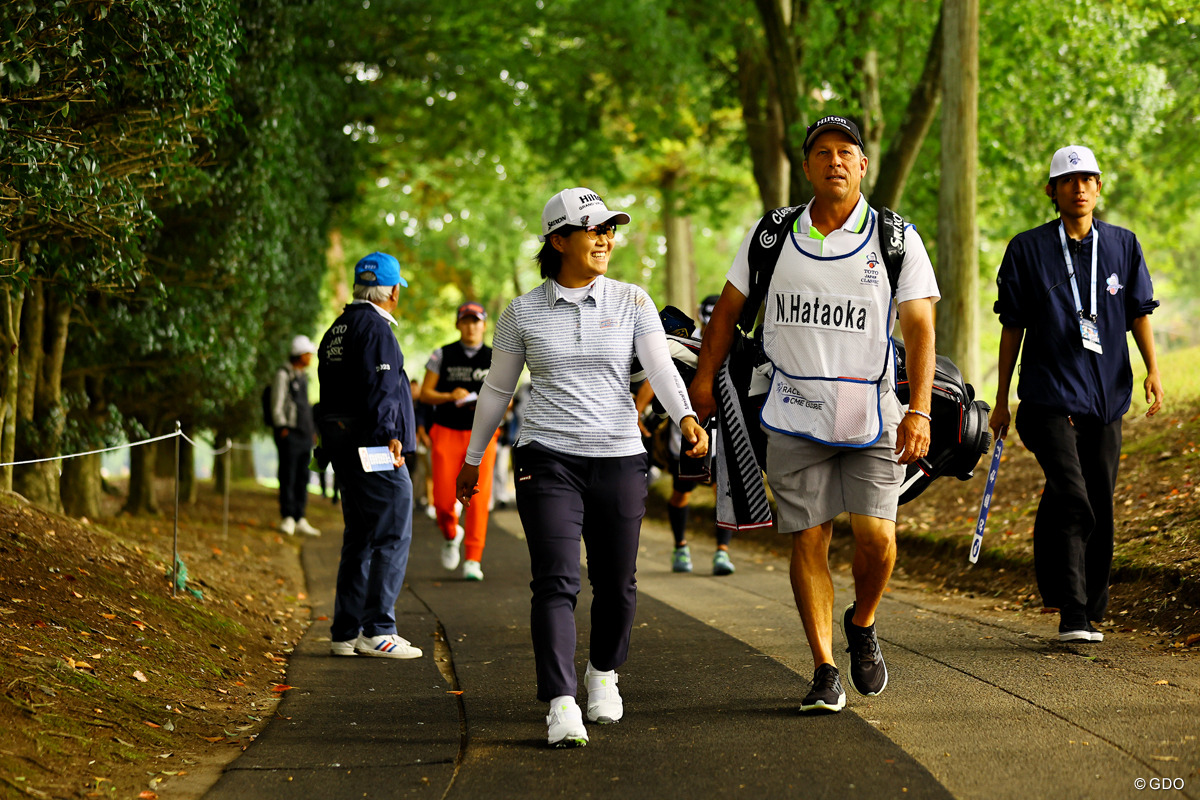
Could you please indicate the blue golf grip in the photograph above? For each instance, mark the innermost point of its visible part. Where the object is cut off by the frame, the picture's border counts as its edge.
(986, 505)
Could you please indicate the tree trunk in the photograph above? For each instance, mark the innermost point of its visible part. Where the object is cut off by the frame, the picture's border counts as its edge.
(219, 462)
(164, 457)
(187, 471)
(677, 228)
(142, 498)
(873, 122)
(780, 18)
(81, 486)
(243, 465)
(12, 297)
(897, 164)
(763, 118)
(43, 348)
(958, 238)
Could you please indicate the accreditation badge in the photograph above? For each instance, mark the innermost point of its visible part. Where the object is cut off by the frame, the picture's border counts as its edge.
(1090, 333)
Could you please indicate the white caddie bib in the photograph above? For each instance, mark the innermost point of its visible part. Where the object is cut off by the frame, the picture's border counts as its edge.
(827, 331)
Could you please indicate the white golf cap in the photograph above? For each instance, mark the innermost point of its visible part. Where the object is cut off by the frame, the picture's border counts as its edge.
(1073, 158)
(578, 207)
(301, 345)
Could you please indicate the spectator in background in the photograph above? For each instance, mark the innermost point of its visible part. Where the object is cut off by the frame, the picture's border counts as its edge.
(295, 434)
(365, 402)
(422, 469)
(454, 375)
(678, 505)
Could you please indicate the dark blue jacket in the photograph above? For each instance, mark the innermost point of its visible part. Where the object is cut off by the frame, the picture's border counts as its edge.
(1034, 293)
(362, 377)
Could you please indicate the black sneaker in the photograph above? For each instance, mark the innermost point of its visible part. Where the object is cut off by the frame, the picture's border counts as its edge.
(826, 693)
(868, 673)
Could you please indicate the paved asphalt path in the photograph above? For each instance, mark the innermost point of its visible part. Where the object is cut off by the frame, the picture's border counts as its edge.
(981, 703)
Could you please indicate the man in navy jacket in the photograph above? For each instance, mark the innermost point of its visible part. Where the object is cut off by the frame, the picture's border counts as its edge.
(1071, 289)
(366, 401)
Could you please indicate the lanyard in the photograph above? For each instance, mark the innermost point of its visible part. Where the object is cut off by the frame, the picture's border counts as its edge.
(1062, 237)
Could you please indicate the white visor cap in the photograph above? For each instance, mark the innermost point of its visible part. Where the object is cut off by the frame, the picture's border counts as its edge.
(578, 207)
(1073, 158)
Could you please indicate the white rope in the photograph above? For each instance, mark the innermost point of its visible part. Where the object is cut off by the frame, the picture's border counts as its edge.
(229, 446)
(92, 452)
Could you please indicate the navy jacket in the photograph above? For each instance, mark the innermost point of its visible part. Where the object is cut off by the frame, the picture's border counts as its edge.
(1034, 293)
(362, 377)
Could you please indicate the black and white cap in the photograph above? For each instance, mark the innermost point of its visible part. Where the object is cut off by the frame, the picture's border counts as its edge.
(577, 207)
(832, 123)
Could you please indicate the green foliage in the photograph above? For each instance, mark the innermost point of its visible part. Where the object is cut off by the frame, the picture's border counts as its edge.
(101, 106)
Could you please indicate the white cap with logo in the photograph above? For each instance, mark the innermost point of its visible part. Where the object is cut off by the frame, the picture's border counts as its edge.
(580, 208)
(1073, 158)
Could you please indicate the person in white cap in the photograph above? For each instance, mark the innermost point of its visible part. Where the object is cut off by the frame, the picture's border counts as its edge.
(579, 461)
(295, 434)
(1069, 290)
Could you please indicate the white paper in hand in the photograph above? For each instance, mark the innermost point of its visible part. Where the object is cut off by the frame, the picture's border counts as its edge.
(470, 398)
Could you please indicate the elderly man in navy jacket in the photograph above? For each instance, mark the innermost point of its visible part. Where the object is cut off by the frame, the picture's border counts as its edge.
(366, 401)
(1071, 289)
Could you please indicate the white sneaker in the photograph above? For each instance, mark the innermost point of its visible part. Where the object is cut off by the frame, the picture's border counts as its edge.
(386, 646)
(603, 700)
(450, 553)
(287, 525)
(430, 511)
(303, 526)
(565, 723)
(345, 648)
(471, 571)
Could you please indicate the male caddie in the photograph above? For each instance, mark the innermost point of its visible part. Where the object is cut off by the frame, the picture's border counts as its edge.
(1070, 289)
(366, 401)
(834, 426)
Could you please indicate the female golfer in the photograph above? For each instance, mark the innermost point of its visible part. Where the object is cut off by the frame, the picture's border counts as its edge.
(579, 463)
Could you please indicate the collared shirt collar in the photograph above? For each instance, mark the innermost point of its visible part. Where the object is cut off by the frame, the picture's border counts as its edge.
(391, 320)
(595, 291)
(854, 224)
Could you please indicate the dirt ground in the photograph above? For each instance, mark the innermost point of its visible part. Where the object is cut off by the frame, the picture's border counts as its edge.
(114, 687)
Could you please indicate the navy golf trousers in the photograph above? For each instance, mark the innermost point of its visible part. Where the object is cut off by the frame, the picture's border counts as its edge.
(563, 499)
(377, 509)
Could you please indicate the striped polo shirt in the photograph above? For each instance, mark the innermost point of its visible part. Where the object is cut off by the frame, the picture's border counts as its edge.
(578, 357)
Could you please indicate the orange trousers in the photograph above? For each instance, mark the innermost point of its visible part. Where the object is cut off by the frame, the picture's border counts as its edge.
(449, 450)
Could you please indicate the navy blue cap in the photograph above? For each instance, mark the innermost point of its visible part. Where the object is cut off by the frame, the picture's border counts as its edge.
(378, 269)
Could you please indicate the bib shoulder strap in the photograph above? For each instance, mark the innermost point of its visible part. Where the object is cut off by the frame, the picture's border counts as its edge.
(765, 247)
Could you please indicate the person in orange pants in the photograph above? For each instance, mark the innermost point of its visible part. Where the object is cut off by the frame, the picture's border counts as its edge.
(454, 375)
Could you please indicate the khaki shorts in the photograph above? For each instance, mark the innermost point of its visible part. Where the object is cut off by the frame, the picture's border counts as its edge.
(814, 482)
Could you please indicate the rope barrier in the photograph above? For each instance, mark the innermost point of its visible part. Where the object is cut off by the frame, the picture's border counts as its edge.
(176, 572)
(92, 452)
(228, 445)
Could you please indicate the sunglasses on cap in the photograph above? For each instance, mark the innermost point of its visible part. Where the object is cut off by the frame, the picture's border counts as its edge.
(608, 230)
